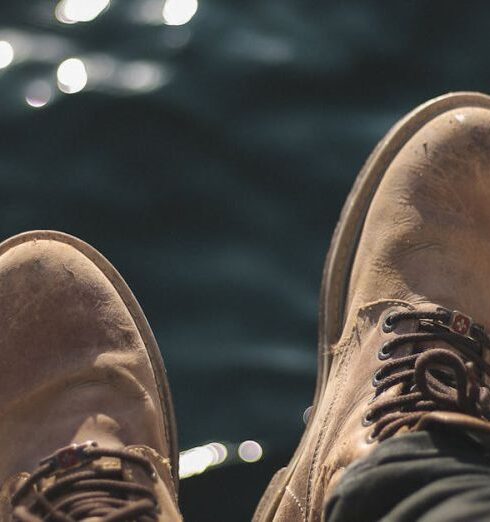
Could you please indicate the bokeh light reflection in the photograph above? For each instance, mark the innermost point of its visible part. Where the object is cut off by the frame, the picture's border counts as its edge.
(221, 452)
(306, 414)
(38, 94)
(196, 460)
(6, 54)
(72, 76)
(250, 451)
(73, 11)
(179, 12)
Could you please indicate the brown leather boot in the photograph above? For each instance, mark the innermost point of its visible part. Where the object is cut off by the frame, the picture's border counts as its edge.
(87, 430)
(395, 355)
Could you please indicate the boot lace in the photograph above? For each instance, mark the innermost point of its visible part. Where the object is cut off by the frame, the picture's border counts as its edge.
(66, 488)
(430, 379)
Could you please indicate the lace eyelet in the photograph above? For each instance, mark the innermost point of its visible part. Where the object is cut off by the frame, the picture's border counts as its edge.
(368, 419)
(384, 352)
(376, 378)
(388, 324)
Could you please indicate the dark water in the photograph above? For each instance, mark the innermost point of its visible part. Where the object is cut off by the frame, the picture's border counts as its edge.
(209, 162)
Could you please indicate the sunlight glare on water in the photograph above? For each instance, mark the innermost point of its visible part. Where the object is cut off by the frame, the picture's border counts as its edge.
(72, 76)
(73, 11)
(6, 54)
(250, 451)
(179, 12)
(38, 94)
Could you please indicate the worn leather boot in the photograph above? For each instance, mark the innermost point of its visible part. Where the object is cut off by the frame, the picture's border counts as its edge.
(87, 430)
(404, 304)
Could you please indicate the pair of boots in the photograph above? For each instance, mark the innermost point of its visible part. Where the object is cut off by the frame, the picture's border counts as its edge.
(87, 430)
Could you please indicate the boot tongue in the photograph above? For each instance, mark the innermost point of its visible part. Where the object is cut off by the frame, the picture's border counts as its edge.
(441, 372)
(411, 326)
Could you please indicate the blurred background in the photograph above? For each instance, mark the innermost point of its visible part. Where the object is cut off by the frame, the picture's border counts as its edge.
(206, 147)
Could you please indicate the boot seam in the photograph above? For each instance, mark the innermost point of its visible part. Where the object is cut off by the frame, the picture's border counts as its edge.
(297, 502)
(345, 358)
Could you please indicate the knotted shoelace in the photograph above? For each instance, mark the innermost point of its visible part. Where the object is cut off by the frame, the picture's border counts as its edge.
(431, 379)
(85, 491)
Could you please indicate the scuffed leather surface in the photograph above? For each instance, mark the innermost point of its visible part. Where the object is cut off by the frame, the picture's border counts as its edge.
(426, 234)
(73, 364)
(424, 243)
